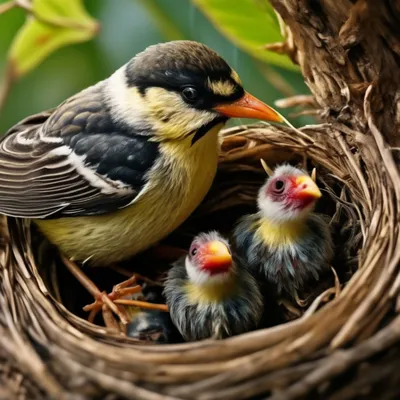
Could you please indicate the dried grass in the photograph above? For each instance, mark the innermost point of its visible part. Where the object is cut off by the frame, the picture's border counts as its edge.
(343, 347)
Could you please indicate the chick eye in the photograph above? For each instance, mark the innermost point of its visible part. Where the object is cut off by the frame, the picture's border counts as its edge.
(190, 94)
(193, 252)
(279, 186)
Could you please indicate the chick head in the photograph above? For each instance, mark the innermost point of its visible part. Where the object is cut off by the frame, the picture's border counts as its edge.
(288, 194)
(209, 259)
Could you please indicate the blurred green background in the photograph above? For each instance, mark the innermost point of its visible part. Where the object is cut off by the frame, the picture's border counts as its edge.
(127, 27)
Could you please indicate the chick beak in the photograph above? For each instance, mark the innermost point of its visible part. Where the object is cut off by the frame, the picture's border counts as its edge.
(307, 188)
(217, 257)
(249, 106)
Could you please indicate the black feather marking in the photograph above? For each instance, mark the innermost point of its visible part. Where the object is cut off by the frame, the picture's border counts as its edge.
(174, 59)
(173, 66)
(37, 181)
(177, 80)
(206, 128)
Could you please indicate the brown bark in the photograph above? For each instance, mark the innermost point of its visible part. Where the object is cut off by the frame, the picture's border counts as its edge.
(343, 47)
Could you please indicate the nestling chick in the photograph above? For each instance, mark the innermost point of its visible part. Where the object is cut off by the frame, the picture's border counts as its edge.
(209, 294)
(286, 243)
(153, 326)
(117, 167)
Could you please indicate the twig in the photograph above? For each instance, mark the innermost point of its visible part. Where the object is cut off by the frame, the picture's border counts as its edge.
(276, 80)
(127, 273)
(142, 304)
(7, 7)
(307, 112)
(294, 101)
(82, 278)
(341, 360)
(318, 300)
(337, 282)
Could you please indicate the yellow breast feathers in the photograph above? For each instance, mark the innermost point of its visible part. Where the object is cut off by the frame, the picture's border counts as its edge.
(212, 292)
(280, 234)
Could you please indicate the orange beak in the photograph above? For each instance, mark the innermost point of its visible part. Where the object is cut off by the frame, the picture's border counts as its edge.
(307, 188)
(249, 106)
(217, 257)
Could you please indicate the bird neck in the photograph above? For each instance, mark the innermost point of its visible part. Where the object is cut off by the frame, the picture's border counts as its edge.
(183, 149)
(188, 139)
(214, 291)
(280, 233)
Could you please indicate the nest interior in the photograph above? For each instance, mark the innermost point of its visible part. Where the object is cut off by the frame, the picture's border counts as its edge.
(351, 318)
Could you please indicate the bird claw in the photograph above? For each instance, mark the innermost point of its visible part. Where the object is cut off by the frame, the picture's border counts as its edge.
(104, 301)
(115, 301)
(112, 303)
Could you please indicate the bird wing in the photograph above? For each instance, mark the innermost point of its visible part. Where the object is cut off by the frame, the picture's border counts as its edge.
(72, 161)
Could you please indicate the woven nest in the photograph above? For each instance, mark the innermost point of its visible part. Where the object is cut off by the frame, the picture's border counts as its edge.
(343, 346)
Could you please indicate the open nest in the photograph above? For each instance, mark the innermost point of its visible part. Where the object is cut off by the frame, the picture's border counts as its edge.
(344, 344)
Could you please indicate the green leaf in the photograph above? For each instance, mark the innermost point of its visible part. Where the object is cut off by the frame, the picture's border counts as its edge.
(249, 24)
(166, 26)
(51, 25)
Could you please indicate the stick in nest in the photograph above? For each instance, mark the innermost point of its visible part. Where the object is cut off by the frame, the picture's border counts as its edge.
(111, 303)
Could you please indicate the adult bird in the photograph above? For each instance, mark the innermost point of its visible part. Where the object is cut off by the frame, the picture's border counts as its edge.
(118, 166)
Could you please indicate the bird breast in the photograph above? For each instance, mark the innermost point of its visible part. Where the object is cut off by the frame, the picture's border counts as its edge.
(176, 185)
(278, 235)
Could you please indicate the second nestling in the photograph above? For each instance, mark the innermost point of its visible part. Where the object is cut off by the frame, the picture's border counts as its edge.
(286, 244)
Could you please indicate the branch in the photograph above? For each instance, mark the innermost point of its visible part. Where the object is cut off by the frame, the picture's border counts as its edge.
(342, 48)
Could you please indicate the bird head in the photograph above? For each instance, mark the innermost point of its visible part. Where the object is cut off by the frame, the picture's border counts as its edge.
(209, 259)
(288, 194)
(180, 89)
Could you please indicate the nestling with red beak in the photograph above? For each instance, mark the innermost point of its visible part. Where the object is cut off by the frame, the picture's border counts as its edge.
(285, 242)
(209, 294)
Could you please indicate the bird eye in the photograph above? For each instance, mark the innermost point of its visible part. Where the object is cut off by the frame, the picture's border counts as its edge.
(193, 252)
(190, 94)
(279, 186)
